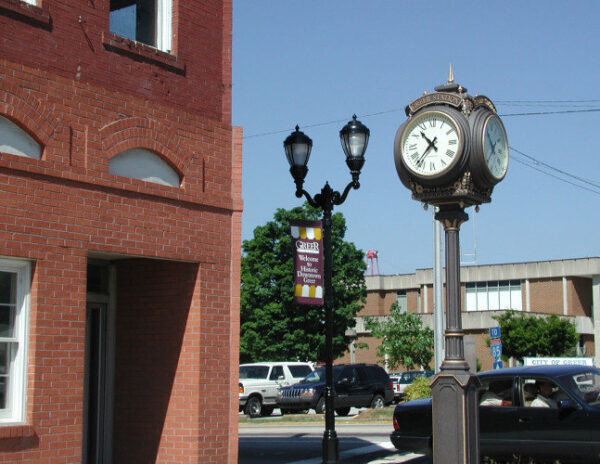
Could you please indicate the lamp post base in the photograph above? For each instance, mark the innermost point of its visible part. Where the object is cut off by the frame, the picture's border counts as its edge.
(455, 403)
(331, 452)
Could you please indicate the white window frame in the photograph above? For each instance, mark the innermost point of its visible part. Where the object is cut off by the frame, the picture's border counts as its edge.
(163, 25)
(495, 295)
(17, 372)
(31, 2)
(164, 21)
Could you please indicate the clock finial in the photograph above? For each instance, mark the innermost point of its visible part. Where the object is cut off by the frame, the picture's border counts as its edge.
(450, 86)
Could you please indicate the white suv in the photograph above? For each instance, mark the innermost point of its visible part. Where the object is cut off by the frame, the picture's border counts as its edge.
(260, 382)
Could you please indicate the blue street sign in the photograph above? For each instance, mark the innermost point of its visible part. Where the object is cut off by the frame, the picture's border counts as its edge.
(498, 365)
(496, 350)
(494, 332)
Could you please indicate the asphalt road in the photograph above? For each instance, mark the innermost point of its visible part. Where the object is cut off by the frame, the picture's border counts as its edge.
(358, 444)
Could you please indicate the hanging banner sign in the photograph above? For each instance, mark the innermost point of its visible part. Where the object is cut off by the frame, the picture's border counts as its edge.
(307, 247)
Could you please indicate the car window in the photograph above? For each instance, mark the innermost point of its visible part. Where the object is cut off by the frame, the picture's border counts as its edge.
(541, 393)
(363, 376)
(350, 374)
(276, 373)
(496, 392)
(318, 376)
(254, 372)
(586, 386)
(300, 370)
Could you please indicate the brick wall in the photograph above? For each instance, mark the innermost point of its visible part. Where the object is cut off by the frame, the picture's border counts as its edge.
(546, 296)
(64, 81)
(71, 39)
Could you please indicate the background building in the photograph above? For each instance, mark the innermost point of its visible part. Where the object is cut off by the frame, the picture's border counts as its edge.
(568, 288)
(120, 215)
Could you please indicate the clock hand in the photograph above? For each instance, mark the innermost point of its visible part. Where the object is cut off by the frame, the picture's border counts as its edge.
(425, 137)
(430, 143)
(433, 143)
(422, 158)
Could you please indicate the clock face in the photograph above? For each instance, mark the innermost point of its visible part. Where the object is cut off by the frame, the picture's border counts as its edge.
(431, 143)
(495, 147)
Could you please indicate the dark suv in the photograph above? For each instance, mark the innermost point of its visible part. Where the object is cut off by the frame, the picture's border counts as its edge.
(358, 385)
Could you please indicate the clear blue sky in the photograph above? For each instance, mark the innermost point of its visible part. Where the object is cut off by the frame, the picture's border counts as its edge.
(315, 63)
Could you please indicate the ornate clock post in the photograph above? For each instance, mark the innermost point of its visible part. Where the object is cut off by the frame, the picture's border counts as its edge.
(450, 153)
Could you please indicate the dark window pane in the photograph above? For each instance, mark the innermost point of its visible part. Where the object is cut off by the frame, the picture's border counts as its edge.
(6, 321)
(3, 392)
(8, 282)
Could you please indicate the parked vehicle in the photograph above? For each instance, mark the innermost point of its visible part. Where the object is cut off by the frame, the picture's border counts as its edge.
(355, 385)
(260, 382)
(406, 378)
(540, 412)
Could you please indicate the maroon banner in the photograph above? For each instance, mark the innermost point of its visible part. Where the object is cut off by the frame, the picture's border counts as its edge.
(307, 246)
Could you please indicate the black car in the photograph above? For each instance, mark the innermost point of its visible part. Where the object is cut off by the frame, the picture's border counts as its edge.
(541, 412)
(358, 385)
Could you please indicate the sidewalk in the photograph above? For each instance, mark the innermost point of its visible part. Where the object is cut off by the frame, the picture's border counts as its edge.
(408, 458)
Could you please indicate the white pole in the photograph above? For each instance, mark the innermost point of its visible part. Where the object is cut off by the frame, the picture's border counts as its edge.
(438, 293)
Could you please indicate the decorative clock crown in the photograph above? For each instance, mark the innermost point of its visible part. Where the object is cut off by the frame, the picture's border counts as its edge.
(450, 94)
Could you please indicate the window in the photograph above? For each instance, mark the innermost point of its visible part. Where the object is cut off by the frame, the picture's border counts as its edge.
(493, 296)
(276, 373)
(401, 300)
(541, 393)
(14, 311)
(146, 21)
(300, 371)
(16, 141)
(143, 164)
(31, 2)
(496, 392)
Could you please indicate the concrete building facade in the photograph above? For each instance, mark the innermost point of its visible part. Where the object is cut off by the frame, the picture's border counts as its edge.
(120, 220)
(569, 288)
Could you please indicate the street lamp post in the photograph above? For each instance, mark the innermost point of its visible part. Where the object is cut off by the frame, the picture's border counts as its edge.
(354, 137)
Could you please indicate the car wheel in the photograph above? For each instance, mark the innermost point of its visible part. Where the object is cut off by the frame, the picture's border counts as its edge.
(253, 407)
(267, 410)
(377, 402)
(342, 411)
(320, 407)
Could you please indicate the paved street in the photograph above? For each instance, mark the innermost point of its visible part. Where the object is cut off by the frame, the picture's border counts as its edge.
(358, 444)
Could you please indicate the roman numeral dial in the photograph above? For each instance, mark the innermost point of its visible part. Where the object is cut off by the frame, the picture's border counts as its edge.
(431, 143)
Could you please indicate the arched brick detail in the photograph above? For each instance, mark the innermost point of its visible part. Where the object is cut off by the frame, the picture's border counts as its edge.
(128, 133)
(28, 112)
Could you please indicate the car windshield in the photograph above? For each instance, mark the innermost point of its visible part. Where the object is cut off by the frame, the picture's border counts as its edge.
(318, 376)
(586, 385)
(254, 372)
(409, 377)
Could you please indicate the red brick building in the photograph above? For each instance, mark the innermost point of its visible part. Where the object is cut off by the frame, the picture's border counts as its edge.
(120, 218)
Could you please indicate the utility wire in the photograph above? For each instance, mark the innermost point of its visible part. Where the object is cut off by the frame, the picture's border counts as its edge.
(395, 110)
(556, 177)
(541, 163)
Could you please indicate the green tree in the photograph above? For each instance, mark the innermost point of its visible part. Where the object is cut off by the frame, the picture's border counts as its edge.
(273, 326)
(405, 341)
(527, 335)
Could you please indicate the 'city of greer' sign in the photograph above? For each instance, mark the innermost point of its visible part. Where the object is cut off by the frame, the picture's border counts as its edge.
(307, 245)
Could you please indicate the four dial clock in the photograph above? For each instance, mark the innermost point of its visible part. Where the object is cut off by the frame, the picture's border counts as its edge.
(430, 143)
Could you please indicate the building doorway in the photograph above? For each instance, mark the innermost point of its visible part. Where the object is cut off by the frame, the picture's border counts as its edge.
(99, 365)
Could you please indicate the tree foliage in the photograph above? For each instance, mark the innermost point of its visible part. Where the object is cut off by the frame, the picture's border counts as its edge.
(273, 326)
(528, 335)
(405, 341)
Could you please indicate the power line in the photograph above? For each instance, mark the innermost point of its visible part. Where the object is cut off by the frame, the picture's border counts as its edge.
(541, 163)
(591, 110)
(395, 110)
(556, 177)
